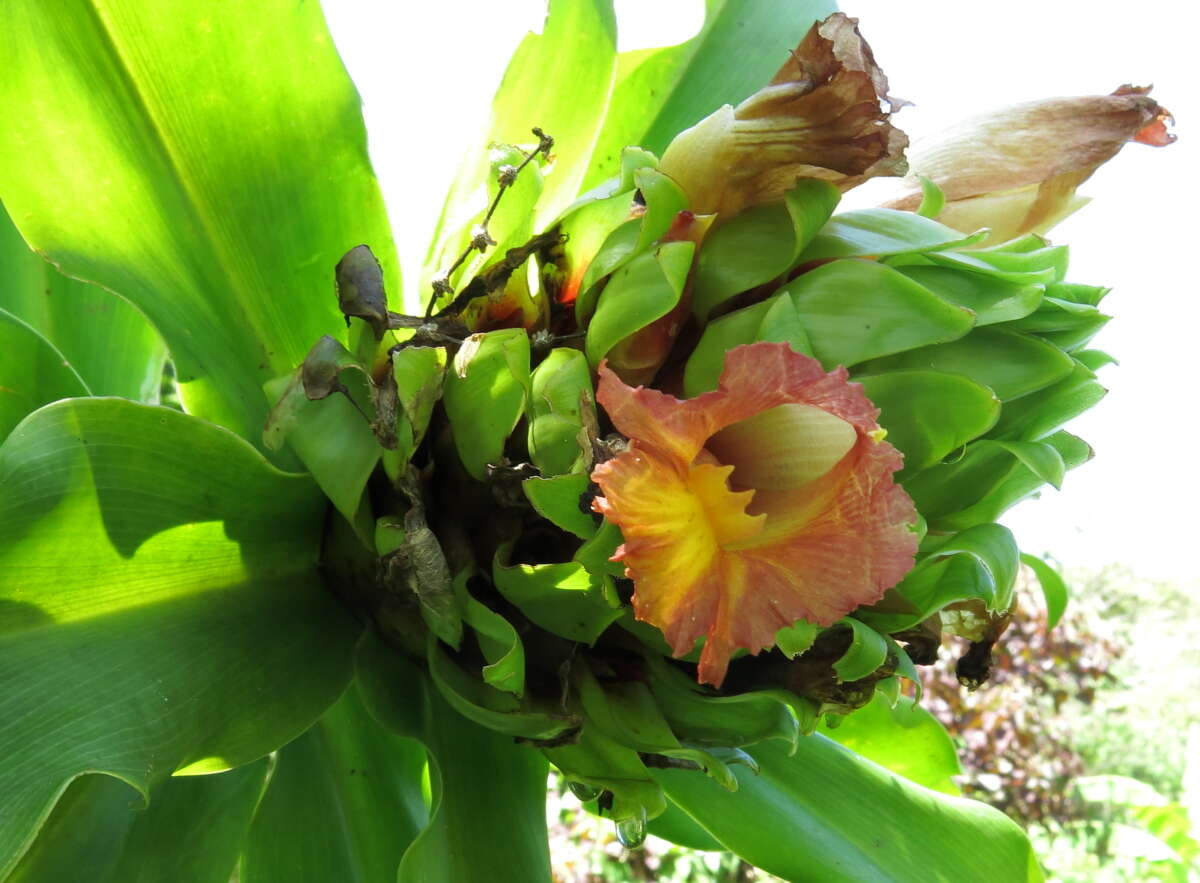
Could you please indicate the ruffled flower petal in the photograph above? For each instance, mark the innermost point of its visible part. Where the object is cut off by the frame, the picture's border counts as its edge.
(765, 501)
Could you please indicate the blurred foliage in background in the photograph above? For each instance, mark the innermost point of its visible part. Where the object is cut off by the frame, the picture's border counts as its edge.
(1083, 735)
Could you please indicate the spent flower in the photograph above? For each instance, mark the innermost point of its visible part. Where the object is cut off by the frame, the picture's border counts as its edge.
(1015, 170)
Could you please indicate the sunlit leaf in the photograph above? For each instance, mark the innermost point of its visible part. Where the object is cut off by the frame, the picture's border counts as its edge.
(828, 814)
(32, 374)
(209, 165)
(104, 338)
(161, 605)
(905, 739)
(660, 92)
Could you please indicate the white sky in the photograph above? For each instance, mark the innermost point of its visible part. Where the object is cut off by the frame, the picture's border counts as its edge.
(427, 72)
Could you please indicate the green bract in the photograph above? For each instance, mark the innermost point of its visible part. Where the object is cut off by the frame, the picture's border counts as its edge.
(353, 573)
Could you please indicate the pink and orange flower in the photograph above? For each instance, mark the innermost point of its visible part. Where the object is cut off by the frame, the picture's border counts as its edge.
(766, 501)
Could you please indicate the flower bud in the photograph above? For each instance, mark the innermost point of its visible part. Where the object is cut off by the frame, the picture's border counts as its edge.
(1016, 170)
(820, 117)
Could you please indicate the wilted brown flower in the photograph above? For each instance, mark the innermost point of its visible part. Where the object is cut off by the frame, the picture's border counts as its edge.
(1015, 170)
(820, 117)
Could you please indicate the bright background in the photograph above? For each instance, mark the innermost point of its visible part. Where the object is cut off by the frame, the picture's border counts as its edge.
(427, 72)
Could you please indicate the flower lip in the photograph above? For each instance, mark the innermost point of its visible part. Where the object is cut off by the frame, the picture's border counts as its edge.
(745, 509)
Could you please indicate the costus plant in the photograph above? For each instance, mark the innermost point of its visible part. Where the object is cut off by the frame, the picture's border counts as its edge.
(661, 470)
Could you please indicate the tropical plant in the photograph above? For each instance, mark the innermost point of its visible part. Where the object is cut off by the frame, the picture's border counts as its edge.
(333, 618)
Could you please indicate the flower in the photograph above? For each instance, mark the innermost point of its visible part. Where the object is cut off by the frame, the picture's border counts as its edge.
(745, 509)
(820, 117)
(1015, 170)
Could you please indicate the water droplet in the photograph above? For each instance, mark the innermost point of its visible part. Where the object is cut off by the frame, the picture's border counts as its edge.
(583, 791)
(631, 832)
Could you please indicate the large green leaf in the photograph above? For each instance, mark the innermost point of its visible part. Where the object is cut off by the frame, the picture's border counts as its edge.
(854, 310)
(33, 373)
(928, 414)
(990, 477)
(108, 342)
(209, 165)
(560, 81)
(160, 607)
(904, 738)
(488, 820)
(1009, 363)
(485, 395)
(826, 814)
(344, 803)
(661, 92)
(1035, 416)
(192, 830)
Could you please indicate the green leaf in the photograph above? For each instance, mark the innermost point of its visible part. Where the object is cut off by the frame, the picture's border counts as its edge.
(209, 165)
(489, 793)
(489, 707)
(1035, 416)
(1054, 588)
(33, 373)
(775, 319)
(645, 289)
(664, 200)
(419, 372)
(1042, 459)
(759, 244)
(876, 232)
(858, 310)
(485, 393)
(977, 261)
(193, 829)
(698, 715)
(1065, 324)
(979, 563)
(661, 92)
(331, 439)
(904, 738)
(827, 814)
(618, 248)
(561, 598)
(991, 300)
(867, 651)
(1009, 363)
(161, 607)
(344, 803)
(501, 647)
(990, 478)
(928, 414)
(109, 343)
(600, 762)
(562, 407)
(560, 501)
(794, 639)
(681, 829)
(932, 198)
(559, 80)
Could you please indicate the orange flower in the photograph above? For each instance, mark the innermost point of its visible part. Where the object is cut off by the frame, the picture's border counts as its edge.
(745, 509)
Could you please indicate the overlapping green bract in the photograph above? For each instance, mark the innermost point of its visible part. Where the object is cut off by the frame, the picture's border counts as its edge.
(455, 450)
